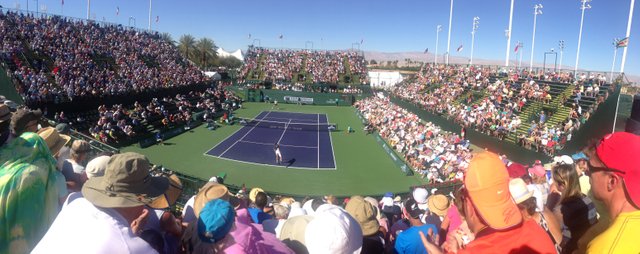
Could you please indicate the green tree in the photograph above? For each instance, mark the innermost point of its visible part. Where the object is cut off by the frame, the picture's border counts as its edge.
(167, 37)
(206, 52)
(186, 46)
(373, 62)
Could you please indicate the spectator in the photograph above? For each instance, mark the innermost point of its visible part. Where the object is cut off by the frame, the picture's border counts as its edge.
(30, 189)
(409, 240)
(73, 168)
(365, 214)
(97, 166)
(275, 225)
(214, 223)
(293, 233)
(333, 230)
(257, 212)
(576, 211)
(24, 120)
(527, 204)
(5, 121)
(613, 168)
(111, 213)
(492, 214)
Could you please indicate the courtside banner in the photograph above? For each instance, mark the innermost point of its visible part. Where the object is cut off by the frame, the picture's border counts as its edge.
(295, 99)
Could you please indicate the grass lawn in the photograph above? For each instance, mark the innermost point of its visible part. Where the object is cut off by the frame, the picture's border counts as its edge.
(363, 167)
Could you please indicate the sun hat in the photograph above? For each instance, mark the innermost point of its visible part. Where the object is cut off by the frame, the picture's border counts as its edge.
(620, 151)
(579, 156)
(420, 195)
(80, 146)
(296, 210)
(55, 141)
(375, 204)
(208, 192)
(126, 183)
(170, 196)
(253, 193)
(564, 159)
(487, 183)
(63, 128)
(364, 213)
(438, 204)
(215, 221)
(5, 113)
(293, 231)
(333, 230)
(21, 118)
(519, 191)
(97, 166)
(412, 208)
(537, 170)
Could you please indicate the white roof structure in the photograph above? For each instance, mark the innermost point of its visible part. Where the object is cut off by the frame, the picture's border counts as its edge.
(237, 54)
(384, 79)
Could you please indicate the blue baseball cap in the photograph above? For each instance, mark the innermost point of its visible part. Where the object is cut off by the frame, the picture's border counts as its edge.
(388, 195)
(579, 156)
(215, 220)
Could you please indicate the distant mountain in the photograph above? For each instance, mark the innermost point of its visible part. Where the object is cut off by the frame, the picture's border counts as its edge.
(237, 54)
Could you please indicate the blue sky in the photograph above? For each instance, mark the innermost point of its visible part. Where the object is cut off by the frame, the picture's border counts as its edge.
(388, 26)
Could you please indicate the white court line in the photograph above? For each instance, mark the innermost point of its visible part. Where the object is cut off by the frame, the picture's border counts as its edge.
(225, 151)
(318, 144)
(228, 137)
(284, 131)
(270, 144)
(331, 145)
(262, 164)
(288, 119)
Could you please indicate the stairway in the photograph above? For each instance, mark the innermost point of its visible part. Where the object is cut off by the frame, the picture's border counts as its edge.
(529, 114)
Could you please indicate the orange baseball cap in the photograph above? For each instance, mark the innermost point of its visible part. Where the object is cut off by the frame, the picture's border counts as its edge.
(487, 182)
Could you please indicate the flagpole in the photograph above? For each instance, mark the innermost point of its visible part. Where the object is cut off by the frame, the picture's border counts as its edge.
(438, 29)
(449, 34)
(584, 6)
(624, 51)
(506, 60)
(62, 7)
(536, 10)
(474, 27)
(561, 45)
(520, 49)
(615, 52)
(149, 28)
(88, 8)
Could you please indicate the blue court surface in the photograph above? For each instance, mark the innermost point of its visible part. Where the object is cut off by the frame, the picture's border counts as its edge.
(305, 141)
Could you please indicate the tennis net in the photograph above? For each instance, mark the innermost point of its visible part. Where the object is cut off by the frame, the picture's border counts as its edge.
(287, 125)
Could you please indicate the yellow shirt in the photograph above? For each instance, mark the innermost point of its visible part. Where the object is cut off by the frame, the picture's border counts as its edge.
(620, 237)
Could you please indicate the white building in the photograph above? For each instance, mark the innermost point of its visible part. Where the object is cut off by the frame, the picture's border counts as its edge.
(384, 79)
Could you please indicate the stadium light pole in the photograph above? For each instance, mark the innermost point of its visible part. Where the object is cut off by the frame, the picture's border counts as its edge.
(438, 29)
(520, 45)
(474, 28)
(561, 45)
(149, 28)
(585, 5)
(615, 52)
(88, 7)
(506, 60)
(537, 9)
(254, 42)
(134, 21)
(308, 42)
(624, 51)
(449, 36)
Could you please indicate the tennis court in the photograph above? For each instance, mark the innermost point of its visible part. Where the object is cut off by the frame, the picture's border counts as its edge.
(305, 141)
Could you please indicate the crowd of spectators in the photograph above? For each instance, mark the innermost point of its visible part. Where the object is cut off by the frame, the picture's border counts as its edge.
(437, 155)
(285, 64)
(76, 59)
(60, 196)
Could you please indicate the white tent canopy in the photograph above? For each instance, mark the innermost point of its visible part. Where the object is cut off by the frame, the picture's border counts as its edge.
(384, 79)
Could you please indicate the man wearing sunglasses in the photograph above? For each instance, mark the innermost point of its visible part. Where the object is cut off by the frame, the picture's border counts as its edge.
(614, 168)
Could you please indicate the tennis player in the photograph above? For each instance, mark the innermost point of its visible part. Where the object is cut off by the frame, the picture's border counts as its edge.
(278, 153)
(275, 104)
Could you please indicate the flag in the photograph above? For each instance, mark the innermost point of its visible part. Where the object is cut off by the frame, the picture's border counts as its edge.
(249, 37)
(281, 36)
(361, 41)
(622, 43)
(426, 50)
(62, 2)
(517, 47)
(157, 19)
(459, 48)
(117, 11)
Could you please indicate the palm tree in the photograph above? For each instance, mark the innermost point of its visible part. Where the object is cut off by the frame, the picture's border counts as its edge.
(186, 45)
(167, 37)
(206, 50)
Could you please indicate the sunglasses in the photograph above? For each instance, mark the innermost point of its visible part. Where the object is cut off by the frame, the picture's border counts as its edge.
(593, 169)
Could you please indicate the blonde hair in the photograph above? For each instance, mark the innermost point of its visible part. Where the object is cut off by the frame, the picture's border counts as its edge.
(566, 175)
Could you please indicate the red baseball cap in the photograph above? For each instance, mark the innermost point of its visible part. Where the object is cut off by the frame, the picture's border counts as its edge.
(620, 151)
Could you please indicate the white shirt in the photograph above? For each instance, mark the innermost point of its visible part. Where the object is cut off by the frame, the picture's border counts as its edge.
(188, 213)
(83, 228)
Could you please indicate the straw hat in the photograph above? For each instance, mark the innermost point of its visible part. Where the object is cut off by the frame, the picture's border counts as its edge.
(55, 141)
(208, 192)
(170, 196)
(438, 204)
(519, 191)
